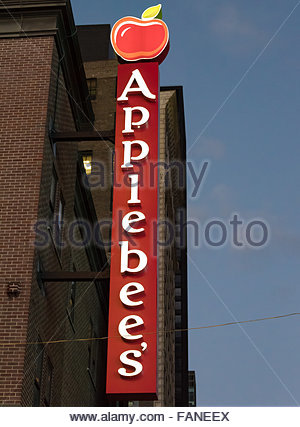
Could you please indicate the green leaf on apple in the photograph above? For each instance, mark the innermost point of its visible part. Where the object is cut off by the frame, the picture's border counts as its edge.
(153, 12)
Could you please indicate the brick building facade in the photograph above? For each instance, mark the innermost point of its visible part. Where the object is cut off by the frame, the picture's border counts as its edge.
(44, 91)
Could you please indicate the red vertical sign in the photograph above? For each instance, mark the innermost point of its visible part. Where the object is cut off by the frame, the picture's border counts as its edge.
(132, 343)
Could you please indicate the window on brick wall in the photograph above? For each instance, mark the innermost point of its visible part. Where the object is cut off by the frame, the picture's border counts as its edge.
(51, 129)
(48, 382)
(39, 358)
(40, 270)
(178, 305)
(92, 87)
(92, 353)
(53, 188)
(177, 292)
(72, 301)
(87, 158)
(60, 221)
(56, 213)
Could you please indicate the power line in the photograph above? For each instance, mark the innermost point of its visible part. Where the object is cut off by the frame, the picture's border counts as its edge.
(6, 343)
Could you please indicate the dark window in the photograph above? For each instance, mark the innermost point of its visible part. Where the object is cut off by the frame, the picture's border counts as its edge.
(177, 320)
(92, 353)
(178, 305)
(72, 300)
(54, 148)
(53, 190)
(178, 292)
(48, 382)
(92, 87)
(39, 270)
(60, 221)
(178, 279)
(38, 374)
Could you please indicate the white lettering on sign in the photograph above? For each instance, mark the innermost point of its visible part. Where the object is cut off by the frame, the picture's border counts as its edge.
(142, 87)
(134, 189)
(138, 367)
(125, 293)
(127, 152)
(131, 218)
(124, 326)
(125, 252)
(128, 118)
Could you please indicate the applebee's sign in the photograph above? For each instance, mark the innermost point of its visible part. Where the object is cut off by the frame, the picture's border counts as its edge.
(141, 44)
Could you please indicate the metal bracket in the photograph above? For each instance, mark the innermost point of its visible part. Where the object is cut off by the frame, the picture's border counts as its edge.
(78, 136)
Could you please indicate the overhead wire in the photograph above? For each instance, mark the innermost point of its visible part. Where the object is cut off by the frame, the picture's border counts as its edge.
(261, 319)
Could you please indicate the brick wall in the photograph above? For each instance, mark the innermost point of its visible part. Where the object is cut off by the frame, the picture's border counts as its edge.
(33, 101)
(24, 81)
(49, 314)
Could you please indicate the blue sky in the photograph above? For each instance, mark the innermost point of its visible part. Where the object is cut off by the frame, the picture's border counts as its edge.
(239, 65)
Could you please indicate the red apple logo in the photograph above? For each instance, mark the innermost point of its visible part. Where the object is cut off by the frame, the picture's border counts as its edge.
(136, 39)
